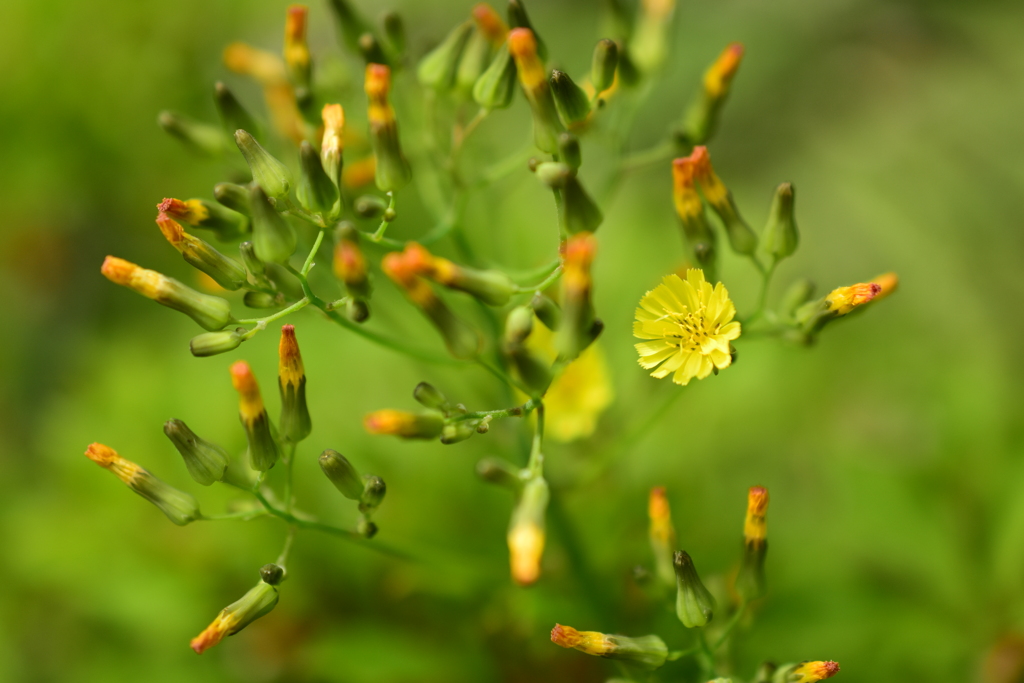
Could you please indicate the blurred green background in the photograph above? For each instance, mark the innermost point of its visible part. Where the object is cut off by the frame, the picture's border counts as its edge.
(893, 454)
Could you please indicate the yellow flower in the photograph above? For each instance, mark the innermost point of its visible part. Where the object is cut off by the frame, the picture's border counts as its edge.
(812, 672)
(689, 325)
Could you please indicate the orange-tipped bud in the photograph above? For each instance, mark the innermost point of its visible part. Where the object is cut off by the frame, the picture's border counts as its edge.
(425, 425)
(192, 211)
(378, 86)
(296, 51)
(755, 528)
(180, 507)
(263, 449)
(490, 24)
(359, 173)
(107, 458)
(579, 255)
(261, 65)
(148, 283)
(350, 263)
(591, 642)
(526, 547)
(211, 312)
(889, 282)
(812, 672)
(523, 46)
(295, 423)
(650, 652)
(250, 401)
(684, 190)
(290, 368)
(842, 300)
(719, 76)
(714, 190)
(741, 237)
(172, 231)
(333, 143)
(662, 535)
(658, 9)
(236, 616)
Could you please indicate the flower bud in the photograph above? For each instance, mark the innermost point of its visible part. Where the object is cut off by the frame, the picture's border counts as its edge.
(200, 137)
(554, 174)
(806, 672)
(211, 312)
(500, 472)
(765, 673)
(889, 283)
(518, 325)
(352, 25)
(462, 341)
(571, 101)
(798, 294)
(780, 236)
(236, 616)
(263, 450)
(522, 44)
(232, 196)
(650, 41)
(273, 238)
(741, 237)
(492, 287)
(649, 652)
(579, 212)
(316, 192)
(394, 32)
(232, 113)
(547, 311)
(489, 33)
(574, 334)
(392, 169)
(457, 431)
(750, 582)
(295, 424)
(694, 603)
(569, 150)
(205, 461)
(533, 370)
(342, 474)
(663, 536)
(225, 271)
(333, 143)
(373, 493)
(702, 118)
(213, 343)
(272, 574)
(497, 85)
(431, 397)
(225, 223)
(526, 531)
(517, 18)
(843, 300)
(439, 67)
(296, 50)
(690, 209)
(253, 264)
(267, 172)
(180, 507)
(603, 63)
(350, 263)
(425, 425)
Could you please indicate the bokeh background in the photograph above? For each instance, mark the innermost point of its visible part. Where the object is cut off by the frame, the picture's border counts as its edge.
(893, 449)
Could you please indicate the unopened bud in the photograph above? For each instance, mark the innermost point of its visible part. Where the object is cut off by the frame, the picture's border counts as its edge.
(333, 144)
(205, 461)
(517, 18)
(569, 150)
(352, 25)
(526, 531)
(236, 616)
(263, 450)
(200, 137)
(702, 117)
(439, 67)
(373, 493)
(547, 311)
(806, 672)
(370, 206)
(371, 50)
(603, 63)
(798, 293)
(533, 370)
(296, 50)
(357, 310)
(225, 271)
(649, 652)
(295, 423)
(342, 474)
(225, 223)
(394, 31)
(392, 168)
(180, 507)
(492, 287)
(741, 237)
(781, 237)
(489, 32)
(571, 101)
(574, 334)
(497, 84)
(650, 42)
(425, 425)
(252, 262)
(843, 300)
(232, 196)
(579, 212)
(750, 582)
(694, 604)
(501, 472)
(554, 174)
(518, 325)
(316, 191)
(211, 312)
(663, 536)
(522, 44)
(690, 209)
(269, 173)
(272, 574)
(457, 431)
(431, 397)
(273, 238)
(213, 343)
(232, 113)
(349, 262)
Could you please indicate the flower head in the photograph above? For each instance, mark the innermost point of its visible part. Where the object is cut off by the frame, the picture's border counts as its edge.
(842, 300)
(689, 325)
(812, 672)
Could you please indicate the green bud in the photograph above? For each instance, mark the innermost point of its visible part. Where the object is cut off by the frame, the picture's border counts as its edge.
(571, 102)
(269, 173)
(650, 43)
(225, 271)
(316, 192)
(554, 174)
(532, 370)
(781, 237)
(517, 18)
(179, 506)
(603, 63)
(547, 311)
(350, 23)
(371, 50)
(497, 85)
(394, 31)
(461, 340)
(500, 472)
(569, 149)
(232, 113)
(431, 397)
(457, 431)
(629, 74)
(273, 238)
(694, 604)
(476, 57)
(365, 527)
(493, 287)
(239, 614)
(342, 474)
(798, 293)
(373, 493)
(518, 325)
(370, 206)
(393, 171)
(579, 212)
(424, 425)
(750, 582)
(357, 310)
(213, 343)
(257, 268)
(200, 137)
(765, 673)
(205, 461)
(439, 67)
(272, 574)
(648, 652)
(263, 449)
(226, 222)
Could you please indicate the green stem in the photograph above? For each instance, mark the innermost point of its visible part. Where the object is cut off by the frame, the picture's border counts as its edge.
(516, 411)
(385, 221)
(504, 376)
(545, 283)
(762, 299)
(708, 657)
(286, 550)
(288, 498)
(662, 151)
(730, 625)
(536, 462)
(245, 515)
(261, 323)
(308, 263)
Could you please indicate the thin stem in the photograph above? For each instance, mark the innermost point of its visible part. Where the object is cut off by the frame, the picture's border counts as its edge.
(536, 462)
(261, 323)
(289, 461)
(312, 253)
(730, 625)
(516, 411)
(504, 376)
(505, 167)
(245, 515)
(288, 540)
(546, 282)
(708, 665)
(762, 299)
(385, 221)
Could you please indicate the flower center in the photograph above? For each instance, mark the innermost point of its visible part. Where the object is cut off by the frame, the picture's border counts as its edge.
(693, 329)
